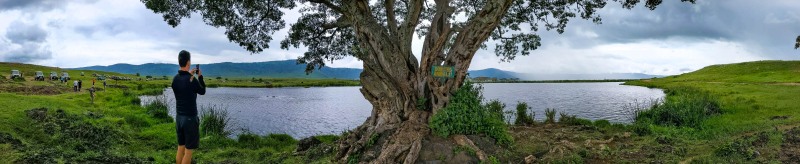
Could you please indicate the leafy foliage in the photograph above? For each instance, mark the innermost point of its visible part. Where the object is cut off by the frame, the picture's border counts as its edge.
(523, 118)
(466, 115)
(797, 43)
(327, 27)
(496, 107)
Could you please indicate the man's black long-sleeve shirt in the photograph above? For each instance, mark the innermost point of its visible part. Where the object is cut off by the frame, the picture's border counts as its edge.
(186, 88)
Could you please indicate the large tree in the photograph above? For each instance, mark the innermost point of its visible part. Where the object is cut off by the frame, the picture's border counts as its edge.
(400, 87)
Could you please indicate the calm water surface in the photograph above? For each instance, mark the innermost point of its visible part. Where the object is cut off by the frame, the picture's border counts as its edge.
(303, 112)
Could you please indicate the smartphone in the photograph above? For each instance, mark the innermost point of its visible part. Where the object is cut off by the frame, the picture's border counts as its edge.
(197, 67)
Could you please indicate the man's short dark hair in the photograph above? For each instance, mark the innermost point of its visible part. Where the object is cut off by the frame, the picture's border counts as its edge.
(183, 58)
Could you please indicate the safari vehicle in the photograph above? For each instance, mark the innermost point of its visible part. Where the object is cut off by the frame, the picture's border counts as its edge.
(39, 76)
(64, 76)
(15, 74)
(81, 73)
(101, 77)
(53, 75)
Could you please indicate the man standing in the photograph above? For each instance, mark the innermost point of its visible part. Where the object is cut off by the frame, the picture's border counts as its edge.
(186, 87)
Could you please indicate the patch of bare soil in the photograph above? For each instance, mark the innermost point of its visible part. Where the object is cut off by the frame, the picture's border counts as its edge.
(788, 84)
(457, 149)
(553, 143)
(790, 149)
(33, 90)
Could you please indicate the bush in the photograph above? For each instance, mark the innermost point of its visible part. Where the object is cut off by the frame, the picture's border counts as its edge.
(685, 107)
(214, 121)
(496, 107)
(602, 123)
(573, 120)
(551, 116)
(275, 141)
(466, 115)
(523, 118)
(159, 109)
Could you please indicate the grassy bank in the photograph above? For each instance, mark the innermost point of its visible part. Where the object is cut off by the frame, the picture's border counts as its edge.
(46, 122)
(753, 100)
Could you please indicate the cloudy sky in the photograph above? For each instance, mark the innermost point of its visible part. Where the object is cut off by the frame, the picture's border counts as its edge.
(675, 38)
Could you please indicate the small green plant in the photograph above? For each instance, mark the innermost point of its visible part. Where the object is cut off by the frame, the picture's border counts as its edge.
(602, 123)
(353, 158)
(372, 139)
(214, 121)
(422, 104)
(523, 118)
(466, 149)
(159, 109)
(491, 160)
(573, 120)
(550, 115)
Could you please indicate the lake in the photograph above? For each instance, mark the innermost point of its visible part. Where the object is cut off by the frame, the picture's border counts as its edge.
(303, 112)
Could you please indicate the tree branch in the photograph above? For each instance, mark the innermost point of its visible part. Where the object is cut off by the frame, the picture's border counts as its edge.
(329, 4)
(390, 17)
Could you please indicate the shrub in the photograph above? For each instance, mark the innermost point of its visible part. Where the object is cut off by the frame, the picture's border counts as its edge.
(573, 120)
(551, 116)
(275, 141)
(602, 123)
(640, 128)
(466, 115)
(126, 92)
(159, 109)
(136, 121)
(496, 107)
(685, 107)
(523, 118)
(214, 121)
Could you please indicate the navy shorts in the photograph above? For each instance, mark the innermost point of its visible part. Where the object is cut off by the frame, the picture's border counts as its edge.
(188, 131)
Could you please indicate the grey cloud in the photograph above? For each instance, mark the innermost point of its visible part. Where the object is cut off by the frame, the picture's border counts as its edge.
(26, 43)
(766, 29)
(44, 5)
(19, 33)
(28, 52)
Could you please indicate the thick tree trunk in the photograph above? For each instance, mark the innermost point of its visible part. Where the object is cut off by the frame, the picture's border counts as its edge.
(402, 92)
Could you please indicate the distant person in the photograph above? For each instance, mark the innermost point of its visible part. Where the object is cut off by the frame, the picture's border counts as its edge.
(104, 85)
(186, 87)
(80, 85)
(91, 93)
(75, 86)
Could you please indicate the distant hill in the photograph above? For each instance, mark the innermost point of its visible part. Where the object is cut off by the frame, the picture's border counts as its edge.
(768, 71)
(290, 69)
(493, 72)
(276, 69)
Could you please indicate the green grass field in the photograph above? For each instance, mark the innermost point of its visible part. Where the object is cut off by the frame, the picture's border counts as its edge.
(755, 97)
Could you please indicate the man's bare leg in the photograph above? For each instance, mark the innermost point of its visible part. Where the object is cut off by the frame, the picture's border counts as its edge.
(179, 155)
(187, 156)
